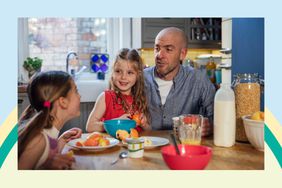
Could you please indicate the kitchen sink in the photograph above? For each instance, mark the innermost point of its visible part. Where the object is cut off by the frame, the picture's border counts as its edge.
(89, 87)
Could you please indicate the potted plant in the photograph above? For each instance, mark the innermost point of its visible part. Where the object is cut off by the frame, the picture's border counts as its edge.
(32, 65)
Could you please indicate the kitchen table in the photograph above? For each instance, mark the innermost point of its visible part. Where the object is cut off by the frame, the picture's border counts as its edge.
(242, 156)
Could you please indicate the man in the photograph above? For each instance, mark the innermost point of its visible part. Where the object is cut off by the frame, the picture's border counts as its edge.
(173, 89)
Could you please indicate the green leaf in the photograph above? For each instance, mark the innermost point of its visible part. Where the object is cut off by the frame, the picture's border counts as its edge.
(32, 64)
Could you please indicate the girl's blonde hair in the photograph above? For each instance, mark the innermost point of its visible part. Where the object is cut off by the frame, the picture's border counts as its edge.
(43, 90)
(138, 89)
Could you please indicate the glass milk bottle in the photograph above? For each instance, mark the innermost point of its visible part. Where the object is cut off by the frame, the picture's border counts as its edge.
(224, 116)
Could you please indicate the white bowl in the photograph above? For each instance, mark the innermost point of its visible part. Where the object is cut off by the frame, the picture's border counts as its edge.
(255, 132)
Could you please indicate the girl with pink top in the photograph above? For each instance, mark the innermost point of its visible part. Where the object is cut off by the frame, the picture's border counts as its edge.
(53, 100)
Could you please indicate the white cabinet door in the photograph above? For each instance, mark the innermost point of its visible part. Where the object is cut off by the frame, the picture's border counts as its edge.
(226, 43)
(227, 33)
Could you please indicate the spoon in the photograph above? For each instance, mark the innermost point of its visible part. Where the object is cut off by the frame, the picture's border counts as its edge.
(175, 144)
(122, 155)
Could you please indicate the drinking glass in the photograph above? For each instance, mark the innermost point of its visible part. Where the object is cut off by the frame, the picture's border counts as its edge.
(190, 129)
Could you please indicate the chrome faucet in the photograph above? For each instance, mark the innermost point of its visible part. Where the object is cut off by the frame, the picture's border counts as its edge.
(71, 55)
(74, 71)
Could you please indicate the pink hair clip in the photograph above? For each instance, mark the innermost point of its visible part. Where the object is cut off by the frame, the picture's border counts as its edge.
(47, 104)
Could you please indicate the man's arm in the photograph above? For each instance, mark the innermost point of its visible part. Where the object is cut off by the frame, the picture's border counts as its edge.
(207, 108)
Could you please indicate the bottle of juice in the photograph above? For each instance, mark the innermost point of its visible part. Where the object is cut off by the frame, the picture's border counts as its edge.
(210, 68)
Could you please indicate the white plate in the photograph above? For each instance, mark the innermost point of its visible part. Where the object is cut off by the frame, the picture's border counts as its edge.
(156, 141)
(72, 143)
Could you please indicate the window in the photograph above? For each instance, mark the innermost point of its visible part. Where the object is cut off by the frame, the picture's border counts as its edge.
(52, 38)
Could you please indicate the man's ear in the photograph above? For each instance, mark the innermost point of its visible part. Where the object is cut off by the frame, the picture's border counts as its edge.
(63, 102)
(183, 53)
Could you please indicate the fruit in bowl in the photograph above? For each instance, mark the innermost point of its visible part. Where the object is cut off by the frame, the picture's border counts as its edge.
(254, 128)
(192, 157)
(95, 139)
(122, 134)
(136, 118)
(258, 116)
(112, 126)
(104, 142)
(134, 133)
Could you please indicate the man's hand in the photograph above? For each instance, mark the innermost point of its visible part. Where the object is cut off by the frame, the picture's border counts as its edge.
(207, 128)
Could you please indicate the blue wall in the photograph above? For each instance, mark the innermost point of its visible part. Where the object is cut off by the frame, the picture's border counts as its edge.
(248, 47)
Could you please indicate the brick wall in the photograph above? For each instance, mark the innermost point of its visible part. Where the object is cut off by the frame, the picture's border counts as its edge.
(52, 38)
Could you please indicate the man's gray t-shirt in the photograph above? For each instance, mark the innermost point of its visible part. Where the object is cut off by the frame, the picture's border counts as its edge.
(191, 93)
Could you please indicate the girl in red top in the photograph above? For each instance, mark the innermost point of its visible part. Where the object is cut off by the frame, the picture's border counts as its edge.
(126, 97)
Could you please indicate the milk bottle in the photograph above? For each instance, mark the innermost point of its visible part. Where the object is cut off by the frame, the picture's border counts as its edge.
(224, 116)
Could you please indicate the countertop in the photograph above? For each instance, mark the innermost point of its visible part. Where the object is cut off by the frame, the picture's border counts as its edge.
(22, 88)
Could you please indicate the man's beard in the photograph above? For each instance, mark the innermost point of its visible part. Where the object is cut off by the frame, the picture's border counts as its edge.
(163, 75)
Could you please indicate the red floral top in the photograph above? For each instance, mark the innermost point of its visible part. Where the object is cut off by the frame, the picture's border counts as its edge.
(114, 107)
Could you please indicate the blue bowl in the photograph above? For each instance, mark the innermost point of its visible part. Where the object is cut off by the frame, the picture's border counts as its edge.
(111, 126)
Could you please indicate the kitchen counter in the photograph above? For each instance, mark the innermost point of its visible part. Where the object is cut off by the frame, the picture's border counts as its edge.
(22, 88)
(239, 157)
(23, 101)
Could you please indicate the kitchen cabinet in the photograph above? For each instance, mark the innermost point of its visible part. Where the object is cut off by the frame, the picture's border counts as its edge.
(23, 102)
(202, 33)
(152, 26)
(80, 122)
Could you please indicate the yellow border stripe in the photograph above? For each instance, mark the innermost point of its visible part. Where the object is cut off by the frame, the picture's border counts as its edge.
(273, 125)
(8, 125)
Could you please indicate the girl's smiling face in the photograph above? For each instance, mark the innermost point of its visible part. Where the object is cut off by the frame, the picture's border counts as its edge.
(124, 76)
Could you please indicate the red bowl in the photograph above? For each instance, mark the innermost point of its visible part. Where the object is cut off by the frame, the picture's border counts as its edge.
(192, 157)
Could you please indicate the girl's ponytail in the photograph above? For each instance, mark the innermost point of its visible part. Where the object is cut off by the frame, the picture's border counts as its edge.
(39, 121)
